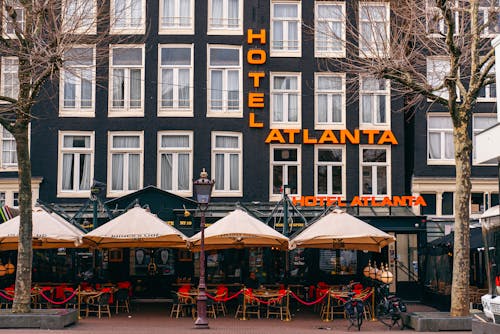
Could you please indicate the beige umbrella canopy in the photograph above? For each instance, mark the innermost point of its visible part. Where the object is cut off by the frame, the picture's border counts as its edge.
(136, 228)
(339, 230)
(49, 231)
(239, 230)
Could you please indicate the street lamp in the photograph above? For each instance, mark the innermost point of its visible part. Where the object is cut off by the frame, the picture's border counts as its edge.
(202, 191)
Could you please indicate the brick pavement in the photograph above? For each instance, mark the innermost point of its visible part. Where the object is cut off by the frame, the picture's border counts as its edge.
(154, 318)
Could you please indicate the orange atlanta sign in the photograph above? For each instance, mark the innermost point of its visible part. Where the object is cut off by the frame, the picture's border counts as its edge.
(358, 201)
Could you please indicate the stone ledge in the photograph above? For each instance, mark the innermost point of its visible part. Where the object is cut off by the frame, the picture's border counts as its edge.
(436, 321)
(43, 319)
(482, 325)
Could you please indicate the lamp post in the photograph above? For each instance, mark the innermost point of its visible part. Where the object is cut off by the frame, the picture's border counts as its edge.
(202, 190)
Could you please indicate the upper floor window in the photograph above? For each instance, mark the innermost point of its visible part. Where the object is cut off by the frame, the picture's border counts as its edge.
(285, 170)
(481, 122)
(437, 70)
(329, 29)
(435, 23)
(9, 152)
(488, 93)
(176, 80)
(440, 149)
(374, 102)
(330, 100)
(177, 16)
(374, 29)
(125, 162)
(175, 161)
(78, 83)
(13, 23)
(76, 162)
(9, 80)
(225, 17)
(126, 80)
(79, 16)
(227, 163)
(128, 16)
(375, 171)
(330, 170)
(285, 28)
(285, 100)
(225, 81)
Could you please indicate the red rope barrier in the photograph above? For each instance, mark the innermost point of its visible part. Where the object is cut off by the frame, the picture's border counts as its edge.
(308, 303)
(218, 299)
(6, 296)
(58, 302)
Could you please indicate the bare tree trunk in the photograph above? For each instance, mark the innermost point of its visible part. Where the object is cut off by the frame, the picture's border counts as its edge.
(461, 246)
(22, 299)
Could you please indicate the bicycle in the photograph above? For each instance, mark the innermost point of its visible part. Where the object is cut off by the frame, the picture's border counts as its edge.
(389, 308)
(353, 308)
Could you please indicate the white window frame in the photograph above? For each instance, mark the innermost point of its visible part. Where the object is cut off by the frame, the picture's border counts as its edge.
(485, 11)
(286, 52)
(78, 111)
(443, 92)
(373, 49)
(140, 30)
(475, 132)
(226, 192)
(70, 24)
(75, 192)
(442, 142)
(285, 124)
(329, 124)
(4, 71)
(176, 29)
(329, 165)
(374, 165)
(276, 197)
(6, 20)
(126, 111)
(376, 95)
(489, 89)
(175, 111)
(432, 11)
(329, 53)
(111, 151)
(7, 136)
(225, 112)
(175, 151)
(225, 29)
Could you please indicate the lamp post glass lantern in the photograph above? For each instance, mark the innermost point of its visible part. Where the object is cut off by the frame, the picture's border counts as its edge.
(202, 191)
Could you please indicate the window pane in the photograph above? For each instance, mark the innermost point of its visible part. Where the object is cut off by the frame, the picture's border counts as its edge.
(126, 142)
(336, 180)
(174, 141)
(367, 180)
(129, 56)
(285, 154)
(183, 178)
(175, 56)
(381, 180)
(227, 57)
(430, 209)
(331, 155)
(373, 155)
(277, 179)
(133, 171)
(219, 166)
(447, 204)
(293, 179)
(226, 142)
(330, 83)
(166, 171)
(322, 180)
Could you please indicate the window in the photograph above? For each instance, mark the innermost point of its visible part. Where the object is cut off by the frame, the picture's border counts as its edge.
(285, 100)
(176, 80)
(227, 163)
(440, 149)
(285, 170)
(477, 202)
(330, 170)
(330, 100)
(9, 81)
(79, 16)
(489, 11)
(78, 83)
(125, 162)
(375, 171)
(11, 26)
(488, 93)
(285, 29)
(2, 198)
(225, 82)
(481, 122)
(447, 204)
(9, 153)
(127, 80)
(430, 209)
(373, 29)
(176, 16)
(374, 102)
(435, 24)
(128, 16)
(225, 17)
(329, 29)
(175, 161)
(15, 200)
(76, 163)
(437, 70)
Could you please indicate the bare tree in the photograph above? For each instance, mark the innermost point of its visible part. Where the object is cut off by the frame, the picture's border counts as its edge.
(38, 36)
(435, 51)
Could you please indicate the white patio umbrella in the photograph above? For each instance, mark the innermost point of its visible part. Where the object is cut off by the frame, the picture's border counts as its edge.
(136, 228)
(339, 230)
(239, 230)
(49, 231)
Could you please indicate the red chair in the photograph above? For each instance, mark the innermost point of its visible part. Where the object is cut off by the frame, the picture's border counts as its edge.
(220, 296)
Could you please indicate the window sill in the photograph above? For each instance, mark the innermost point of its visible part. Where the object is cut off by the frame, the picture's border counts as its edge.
(329, 126)
(175, 31)
(126, 113)
(294, 54)
(441, 162)
(76, 113)
(225, 114)
(127, 31)
(73, 194)
(330, 54)
(227, 194)
(222, 31)
(175, 113)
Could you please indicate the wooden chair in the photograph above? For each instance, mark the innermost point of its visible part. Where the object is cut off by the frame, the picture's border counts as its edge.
(122, 300)
(220, 304)
(277, 306)
(99, 304)
(182, 303)
(73, 302)
(4, 302)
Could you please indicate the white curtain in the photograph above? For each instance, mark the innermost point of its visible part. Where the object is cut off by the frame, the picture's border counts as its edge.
(293, 36)
(136, 13)
(336, 108)
(184, 100)
(216, 90)
(69, 89)
(67, 172)
(86, 89)
(118, 88)
(217, 13)
(366, 105)
(293, 114)
(126, 142)
(219, 171)
(233, 13)
(233, 90)
(277, 42)
(135, 88)
(117, 172)
(167, 86)
(449, 148)
(434, 145)
(322, 108)
(278, 107)
(234, 163)
(85, 171)
(183, 179)
(381, 109)
(185, 13)
(166, 171)
(168, 18)
(120, 14)
(381, 180)
(134, 169)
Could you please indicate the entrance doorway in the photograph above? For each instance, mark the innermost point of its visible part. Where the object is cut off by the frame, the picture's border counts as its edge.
(406, 265)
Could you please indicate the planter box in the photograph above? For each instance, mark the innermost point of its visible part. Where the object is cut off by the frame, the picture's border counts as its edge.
(43, 319)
